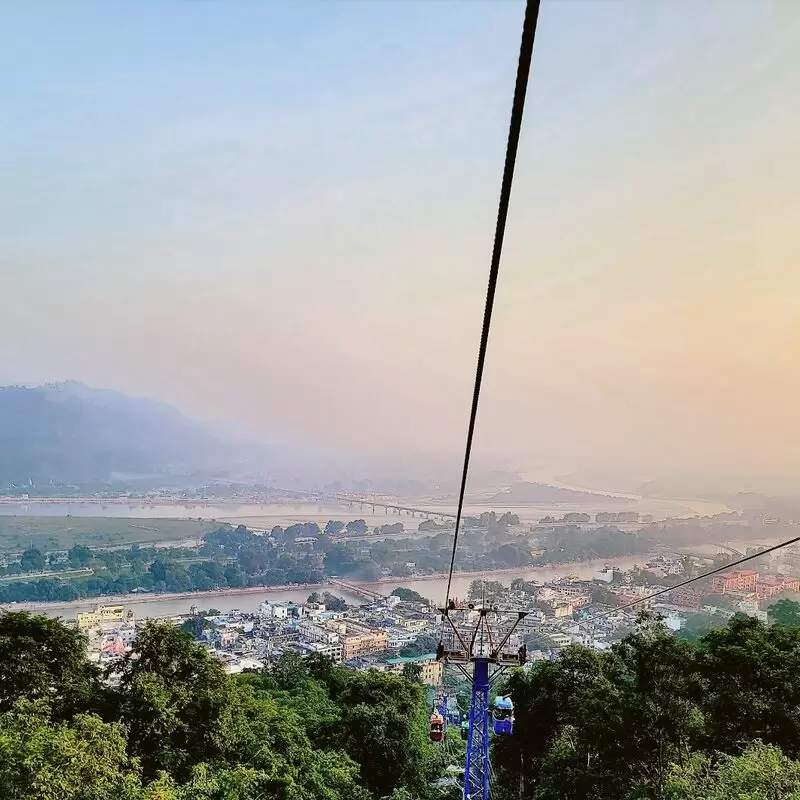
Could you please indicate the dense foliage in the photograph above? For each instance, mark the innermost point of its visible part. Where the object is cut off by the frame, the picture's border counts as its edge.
(169, 724)
(408, 595)
(654, 717)
(228, 558)
(660, 717)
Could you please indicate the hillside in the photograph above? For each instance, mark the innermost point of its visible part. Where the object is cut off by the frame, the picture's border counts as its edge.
(655, 717)
(70, 433)
(173, 726)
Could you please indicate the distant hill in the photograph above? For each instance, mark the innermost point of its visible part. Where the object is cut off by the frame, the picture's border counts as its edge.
(525, 492)
(70, 433)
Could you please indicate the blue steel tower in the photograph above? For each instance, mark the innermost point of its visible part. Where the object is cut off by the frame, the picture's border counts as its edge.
(483, 645)
(476, 767)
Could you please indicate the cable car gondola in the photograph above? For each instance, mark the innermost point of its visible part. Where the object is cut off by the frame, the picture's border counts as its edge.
(437, 727)
(503, 716)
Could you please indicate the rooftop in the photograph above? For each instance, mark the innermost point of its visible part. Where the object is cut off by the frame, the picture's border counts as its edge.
(411, 659)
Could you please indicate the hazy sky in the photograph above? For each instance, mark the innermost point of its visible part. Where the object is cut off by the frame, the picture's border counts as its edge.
(281, 214)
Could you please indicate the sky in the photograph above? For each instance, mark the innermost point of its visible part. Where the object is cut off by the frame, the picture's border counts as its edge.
(281, 215)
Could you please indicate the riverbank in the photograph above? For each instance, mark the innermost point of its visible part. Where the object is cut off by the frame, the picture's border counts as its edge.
(149, 597)
(160, 604)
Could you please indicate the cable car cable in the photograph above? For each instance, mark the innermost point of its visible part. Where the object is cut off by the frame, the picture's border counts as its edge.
(515, 126)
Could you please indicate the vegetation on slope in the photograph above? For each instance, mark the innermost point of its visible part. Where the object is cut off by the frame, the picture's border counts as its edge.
(659, 717)
(171, 725)
(654, 717)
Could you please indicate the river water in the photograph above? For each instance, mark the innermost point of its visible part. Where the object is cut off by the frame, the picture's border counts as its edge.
(432, 587)
(266, 515)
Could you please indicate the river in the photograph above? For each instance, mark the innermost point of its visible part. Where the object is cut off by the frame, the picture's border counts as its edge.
(249, 600)
(267, 515)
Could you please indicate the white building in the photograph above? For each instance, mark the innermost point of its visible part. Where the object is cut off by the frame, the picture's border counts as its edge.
(234, 666)
(674, 622)
(332, 651)
(273, 610)
(127, 633)
(606, 575)
(399, 638)
(317, 633)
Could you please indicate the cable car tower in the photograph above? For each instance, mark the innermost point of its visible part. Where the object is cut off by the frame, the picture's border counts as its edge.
(484, 639)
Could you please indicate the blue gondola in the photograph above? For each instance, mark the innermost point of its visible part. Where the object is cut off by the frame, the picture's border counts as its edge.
(503, 716)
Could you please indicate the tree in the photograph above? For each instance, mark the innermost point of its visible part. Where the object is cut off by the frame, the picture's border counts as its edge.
(423, 644)
(40, 658)
(357, 527)
(266, 729)
(485, 589)
(408, 595)
(369, 570)
(750, 665)
(32, 560)
(412, 672)
(601, 725)
(696, 627)
(394, 528)
(762, 772)
(785, 612)
(177, 728)
(384, 728)
(194, 626)
(173, 698)
(334, 603)
(83, 759)
(333, 527)
(169, 576)
(79, 556)
(602, 595)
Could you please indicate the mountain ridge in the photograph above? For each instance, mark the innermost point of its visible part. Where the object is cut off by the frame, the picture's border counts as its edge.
(69, 432)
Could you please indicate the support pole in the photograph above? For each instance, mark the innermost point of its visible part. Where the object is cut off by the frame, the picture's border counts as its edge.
(476, 772)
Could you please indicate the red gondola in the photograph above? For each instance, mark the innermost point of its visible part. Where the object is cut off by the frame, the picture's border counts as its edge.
(437, 727)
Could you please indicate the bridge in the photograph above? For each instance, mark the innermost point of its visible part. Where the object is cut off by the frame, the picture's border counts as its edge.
(369, 502)
(397, 508)
(354, 588)
(729, 550)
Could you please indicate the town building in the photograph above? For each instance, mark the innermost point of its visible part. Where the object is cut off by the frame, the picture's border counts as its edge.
(330, 650)
(101, 615)
(359, 641)
(685, 597)
(737, 581)
(431, 674)
(770, 585)
(606, 575)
